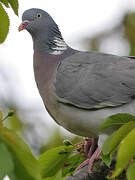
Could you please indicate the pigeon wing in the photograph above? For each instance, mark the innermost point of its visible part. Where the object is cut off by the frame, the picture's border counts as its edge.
(93, 80)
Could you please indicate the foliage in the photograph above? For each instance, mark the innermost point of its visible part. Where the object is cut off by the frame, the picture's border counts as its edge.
(21, 162)
(51, 161)
(4, 19)
(59, 162)
(121, 140)
(18, 162)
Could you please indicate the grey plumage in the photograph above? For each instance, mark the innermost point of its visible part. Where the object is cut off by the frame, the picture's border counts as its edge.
(95, 80)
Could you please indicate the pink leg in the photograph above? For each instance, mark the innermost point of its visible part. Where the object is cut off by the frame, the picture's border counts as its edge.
(92, 147)
(83, 164)
(94, 157)
(89, 147)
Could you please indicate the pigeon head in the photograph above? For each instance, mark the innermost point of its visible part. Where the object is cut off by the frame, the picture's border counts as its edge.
(35, 21)
(44, 31)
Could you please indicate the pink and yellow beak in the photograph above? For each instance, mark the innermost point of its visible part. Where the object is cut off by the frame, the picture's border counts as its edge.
(23, 25)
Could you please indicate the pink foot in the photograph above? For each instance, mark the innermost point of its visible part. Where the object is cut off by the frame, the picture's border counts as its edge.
(95, 156)
(89, 147)
(83, 164)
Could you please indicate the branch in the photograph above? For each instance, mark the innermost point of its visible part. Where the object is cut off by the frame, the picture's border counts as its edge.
(99, 172)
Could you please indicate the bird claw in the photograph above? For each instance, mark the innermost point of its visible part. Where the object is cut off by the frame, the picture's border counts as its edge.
(95, 156)
(89, 147)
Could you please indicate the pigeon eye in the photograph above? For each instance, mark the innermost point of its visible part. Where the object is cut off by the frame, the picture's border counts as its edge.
(39, 15)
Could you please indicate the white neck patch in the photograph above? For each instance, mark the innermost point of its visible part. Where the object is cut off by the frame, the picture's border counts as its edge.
(60, 46)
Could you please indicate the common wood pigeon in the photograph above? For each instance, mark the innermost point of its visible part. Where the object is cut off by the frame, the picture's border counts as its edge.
(79, 89)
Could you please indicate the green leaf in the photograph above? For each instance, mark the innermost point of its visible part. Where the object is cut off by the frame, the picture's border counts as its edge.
(58, 176)
(125, 153)
(4, 27)
(6, 161)
(105, 155)
(11, 113)
(26, 165)
(114, 140)
(13, 122)
(15, 5)
(5, 2)
(12, 176)
(67, 143)
(131, 172)
(72, 163)
(117, 119)
(107, 158)
(107, 144)
(51, 161)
